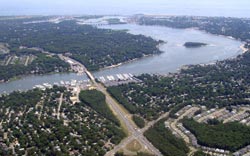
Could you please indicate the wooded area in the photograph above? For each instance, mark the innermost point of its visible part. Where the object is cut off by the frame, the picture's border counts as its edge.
(230, 136)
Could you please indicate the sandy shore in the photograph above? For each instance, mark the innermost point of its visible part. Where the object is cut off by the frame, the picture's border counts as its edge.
(113, 66)
(242, 47)
(126, 62)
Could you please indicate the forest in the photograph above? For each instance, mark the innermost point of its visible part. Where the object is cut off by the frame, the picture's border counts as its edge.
(230, 136)
(95, 48)
(165, 141)
(96, 100)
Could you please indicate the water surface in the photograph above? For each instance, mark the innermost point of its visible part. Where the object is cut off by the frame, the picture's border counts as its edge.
(28, 82)
(174, 53)
(173, 57)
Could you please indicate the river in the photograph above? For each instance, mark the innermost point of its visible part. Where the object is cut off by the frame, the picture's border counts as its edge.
(173, 57)
(174, 53)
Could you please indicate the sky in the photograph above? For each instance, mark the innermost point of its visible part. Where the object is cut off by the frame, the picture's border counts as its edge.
(234, 8)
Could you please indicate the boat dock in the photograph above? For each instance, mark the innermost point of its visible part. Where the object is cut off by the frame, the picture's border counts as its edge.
(117, 79)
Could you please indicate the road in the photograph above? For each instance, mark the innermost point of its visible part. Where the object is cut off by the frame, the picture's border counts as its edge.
(212, 114)
(75, 65)
(152, 123)
(173, 126)
(133, 131)
(59, 106)
(41, 110)
(139, 136)
(244, 109)
(26, 61)
(8, 61)
(247, 154)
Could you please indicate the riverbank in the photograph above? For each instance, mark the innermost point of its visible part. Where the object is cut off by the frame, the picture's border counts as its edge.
(242, 47)
(127, 62)
(123, 63)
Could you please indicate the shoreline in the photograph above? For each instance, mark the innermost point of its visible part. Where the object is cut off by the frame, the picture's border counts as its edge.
(242, 47)
(20, 77)
(133, 60)
(126, 62)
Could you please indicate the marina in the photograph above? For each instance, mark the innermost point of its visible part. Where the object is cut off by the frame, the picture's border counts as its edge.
(110, 80)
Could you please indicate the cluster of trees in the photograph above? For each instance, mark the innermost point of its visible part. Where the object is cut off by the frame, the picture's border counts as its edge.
(41, 65)
(194, 44)
(230, 136)
(47, 64)
(96, 100)
(16, 100)
(95, 48)
(165, 141)
(138, 121)
(238, 28)
(116, 92)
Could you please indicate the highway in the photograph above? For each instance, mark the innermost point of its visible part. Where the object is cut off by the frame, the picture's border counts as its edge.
(59, 106)
(133, 131)
(140, 137)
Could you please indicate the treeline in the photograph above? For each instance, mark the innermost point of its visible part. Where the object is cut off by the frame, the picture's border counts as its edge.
(97, 101)
(165, 141)
(41, 65)
(230, 136)
(95, 48)
(17, 100)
